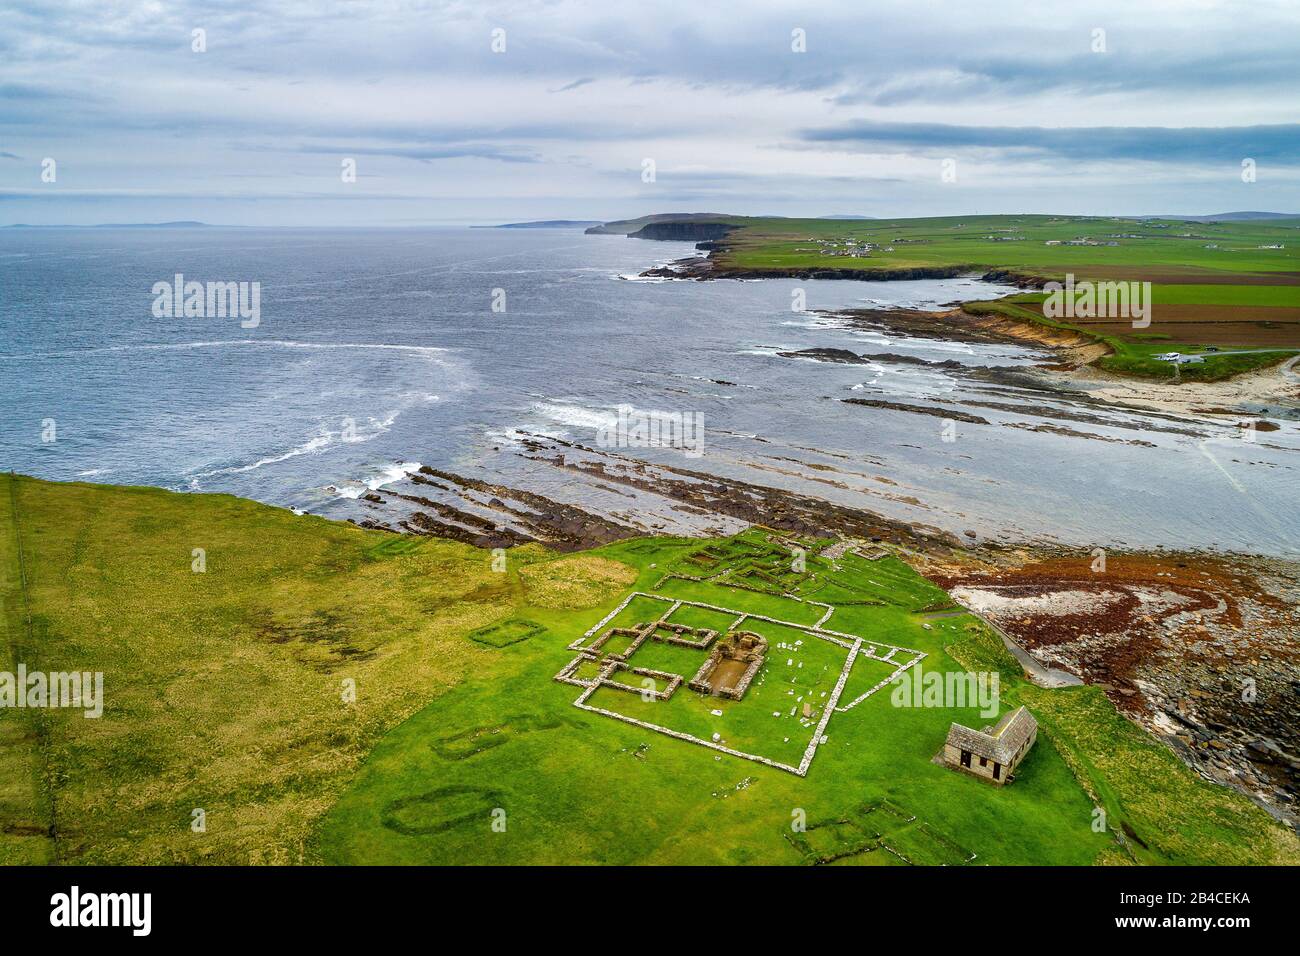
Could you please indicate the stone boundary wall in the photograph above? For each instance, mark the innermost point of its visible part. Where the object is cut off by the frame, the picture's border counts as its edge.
(743, 684)
(638, 638)
(852, 643)
(673, 680)
(700, 682)
(707, 638)
(614, 613)
(829, 709)
(642, 632)
(809, 752)
(846, 640)
(884, 683)
(581, 704)
(565, 676)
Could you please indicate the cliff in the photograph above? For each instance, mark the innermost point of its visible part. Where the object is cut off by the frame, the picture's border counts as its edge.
(683, 231)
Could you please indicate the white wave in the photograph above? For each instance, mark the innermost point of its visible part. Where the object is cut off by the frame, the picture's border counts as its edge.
(391, 473)
(324, 439)
(577, 416)
(316, 444)
(94, 471)
(232, 343)
(350, 433)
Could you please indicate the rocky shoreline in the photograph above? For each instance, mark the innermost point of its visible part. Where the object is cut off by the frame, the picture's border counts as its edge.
(491, 515)
(1071, 348)
(706, 267)
(1071, 368)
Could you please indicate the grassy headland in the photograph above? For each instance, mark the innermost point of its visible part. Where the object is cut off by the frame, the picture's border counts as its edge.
(226, 690)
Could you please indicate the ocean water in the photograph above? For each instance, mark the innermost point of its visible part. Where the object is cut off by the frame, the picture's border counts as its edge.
(379, 350)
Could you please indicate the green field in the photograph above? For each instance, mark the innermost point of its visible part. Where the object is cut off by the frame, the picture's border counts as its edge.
(1213, 284)
(226, 691)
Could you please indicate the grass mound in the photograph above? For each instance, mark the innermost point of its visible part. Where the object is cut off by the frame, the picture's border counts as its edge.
(574, 583)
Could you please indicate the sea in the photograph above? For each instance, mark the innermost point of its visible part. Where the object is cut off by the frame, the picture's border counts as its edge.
(376, 351)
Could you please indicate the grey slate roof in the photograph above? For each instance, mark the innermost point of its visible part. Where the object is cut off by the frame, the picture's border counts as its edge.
(1000, 743)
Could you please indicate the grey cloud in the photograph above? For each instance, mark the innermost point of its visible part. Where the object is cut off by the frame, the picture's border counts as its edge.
(582, 81)
(718, 95)
(1090, 74)
(428, 153)
(1154, 143)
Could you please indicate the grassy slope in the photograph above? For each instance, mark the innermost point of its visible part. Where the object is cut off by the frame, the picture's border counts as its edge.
(224, 689)
(785, 244)
(25, 812)
(223, 692)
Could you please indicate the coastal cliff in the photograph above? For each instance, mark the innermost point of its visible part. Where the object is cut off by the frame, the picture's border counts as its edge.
(683, 231)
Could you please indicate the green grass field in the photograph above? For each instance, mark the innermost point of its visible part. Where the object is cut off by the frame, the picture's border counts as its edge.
(1213, 284)
(227, 691)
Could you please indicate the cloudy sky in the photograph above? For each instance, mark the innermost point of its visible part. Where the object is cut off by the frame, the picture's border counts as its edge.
(1134, 106)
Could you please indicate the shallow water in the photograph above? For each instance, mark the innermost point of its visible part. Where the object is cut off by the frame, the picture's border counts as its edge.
(378, 350)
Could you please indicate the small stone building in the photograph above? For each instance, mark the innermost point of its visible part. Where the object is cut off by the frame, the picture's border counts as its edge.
(994, 752)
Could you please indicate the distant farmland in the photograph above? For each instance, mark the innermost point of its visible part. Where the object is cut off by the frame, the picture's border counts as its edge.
(1229, 285)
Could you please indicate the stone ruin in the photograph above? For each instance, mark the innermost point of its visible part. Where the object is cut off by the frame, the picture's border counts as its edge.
(731, 665)
(683, 636)
(612, 664)
(637, 637)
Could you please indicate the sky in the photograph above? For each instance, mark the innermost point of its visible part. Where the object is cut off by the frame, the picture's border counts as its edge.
(495, 112)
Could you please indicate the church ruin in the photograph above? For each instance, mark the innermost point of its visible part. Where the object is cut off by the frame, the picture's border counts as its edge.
(731, 665)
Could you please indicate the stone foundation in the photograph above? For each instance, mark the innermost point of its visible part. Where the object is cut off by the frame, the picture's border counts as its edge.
(745, 646)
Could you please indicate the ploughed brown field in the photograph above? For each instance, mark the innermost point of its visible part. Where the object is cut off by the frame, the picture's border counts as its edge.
(1235, 325)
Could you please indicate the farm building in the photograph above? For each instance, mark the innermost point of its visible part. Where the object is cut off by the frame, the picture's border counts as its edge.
(992, 753)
